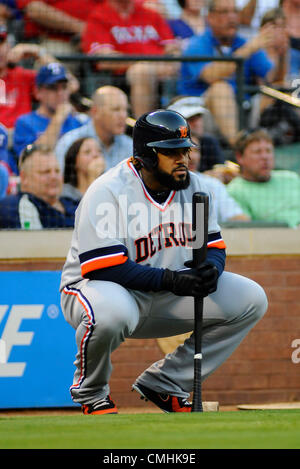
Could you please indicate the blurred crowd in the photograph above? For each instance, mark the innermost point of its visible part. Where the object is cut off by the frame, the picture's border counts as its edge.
(65, 121)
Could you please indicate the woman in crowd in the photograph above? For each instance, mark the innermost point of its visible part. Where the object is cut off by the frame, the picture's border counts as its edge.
(84, 162)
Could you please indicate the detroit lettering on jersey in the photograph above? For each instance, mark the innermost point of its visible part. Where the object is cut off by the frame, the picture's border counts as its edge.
(166, 236)
(163, 236)
(118, 220)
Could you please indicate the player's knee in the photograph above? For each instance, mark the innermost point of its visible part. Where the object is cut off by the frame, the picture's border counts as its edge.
(116, 311)
(244, 299)
(255, 302)
(260, 302)
(115, 323)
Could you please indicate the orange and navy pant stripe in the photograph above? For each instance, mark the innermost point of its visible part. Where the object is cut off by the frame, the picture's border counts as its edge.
(84, 302)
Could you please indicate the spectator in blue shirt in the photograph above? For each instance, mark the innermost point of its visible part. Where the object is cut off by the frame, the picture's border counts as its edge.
(39, 203)
(54, 115)
(217, 79)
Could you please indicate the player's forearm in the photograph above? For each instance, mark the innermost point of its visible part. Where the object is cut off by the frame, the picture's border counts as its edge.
(130, 275)
(217, 257)
(146, 278)
(52, 18)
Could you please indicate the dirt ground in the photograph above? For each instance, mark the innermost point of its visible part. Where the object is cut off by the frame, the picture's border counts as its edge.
(74, 411)
(147, 410)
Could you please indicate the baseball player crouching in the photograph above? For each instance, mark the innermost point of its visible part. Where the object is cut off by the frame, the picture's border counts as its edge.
(126, 276)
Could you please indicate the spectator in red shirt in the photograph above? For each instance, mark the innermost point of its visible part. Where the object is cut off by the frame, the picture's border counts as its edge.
(58, 22)
(125, 27)
(17, 83)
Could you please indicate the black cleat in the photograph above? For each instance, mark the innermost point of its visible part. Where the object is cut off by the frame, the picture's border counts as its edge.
(165, 402)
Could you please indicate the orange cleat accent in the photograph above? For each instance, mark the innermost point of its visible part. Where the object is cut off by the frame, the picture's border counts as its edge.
(104, 406)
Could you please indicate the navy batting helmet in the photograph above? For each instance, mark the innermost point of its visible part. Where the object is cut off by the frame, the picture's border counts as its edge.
(157, 130)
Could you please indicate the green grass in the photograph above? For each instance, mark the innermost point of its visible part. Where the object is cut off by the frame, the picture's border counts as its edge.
(244, 429)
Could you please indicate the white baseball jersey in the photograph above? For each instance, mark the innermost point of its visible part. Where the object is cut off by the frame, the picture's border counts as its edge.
(118, 219)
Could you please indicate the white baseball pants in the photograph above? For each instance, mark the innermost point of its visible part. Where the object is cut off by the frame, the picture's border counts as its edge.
(104, 314)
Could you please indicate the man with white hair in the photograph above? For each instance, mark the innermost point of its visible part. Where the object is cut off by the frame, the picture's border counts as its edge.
(109, 112)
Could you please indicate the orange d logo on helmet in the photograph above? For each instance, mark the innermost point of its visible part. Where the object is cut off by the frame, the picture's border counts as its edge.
(183, 132)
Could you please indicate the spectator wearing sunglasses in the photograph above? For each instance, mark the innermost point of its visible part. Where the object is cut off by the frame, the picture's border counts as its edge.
(39, 203)
(54, 115)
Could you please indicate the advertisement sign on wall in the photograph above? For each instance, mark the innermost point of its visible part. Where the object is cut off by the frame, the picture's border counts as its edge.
(37, 345)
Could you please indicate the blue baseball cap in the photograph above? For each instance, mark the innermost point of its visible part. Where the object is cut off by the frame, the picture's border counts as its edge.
(51, 73)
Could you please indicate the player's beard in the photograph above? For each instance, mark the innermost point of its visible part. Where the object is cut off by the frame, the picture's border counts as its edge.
(167, 180)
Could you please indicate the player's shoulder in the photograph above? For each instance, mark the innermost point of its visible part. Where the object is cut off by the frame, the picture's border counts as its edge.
(120, 172)
(210, 181)
(198, 182)
(115, 179)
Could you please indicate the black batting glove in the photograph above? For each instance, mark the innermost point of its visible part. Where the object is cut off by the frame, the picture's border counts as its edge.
(209, 274)
(197, 282)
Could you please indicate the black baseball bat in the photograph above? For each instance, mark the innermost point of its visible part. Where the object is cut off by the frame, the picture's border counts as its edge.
(200, 230)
